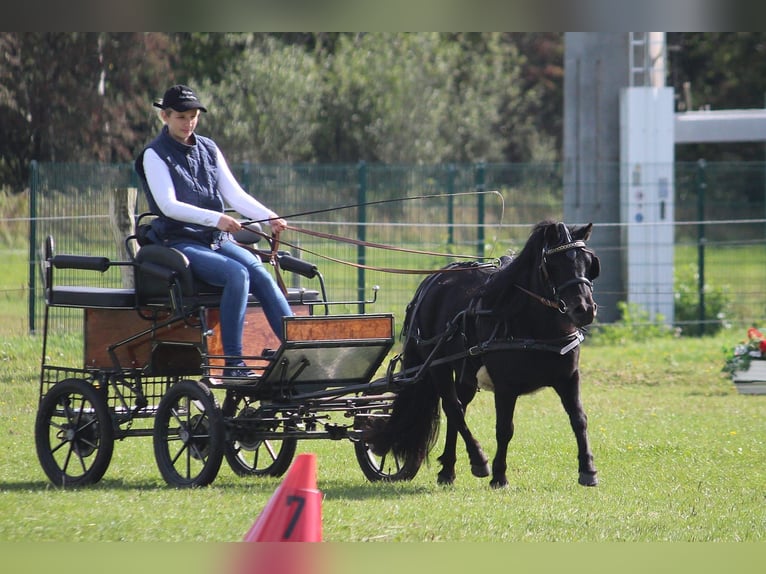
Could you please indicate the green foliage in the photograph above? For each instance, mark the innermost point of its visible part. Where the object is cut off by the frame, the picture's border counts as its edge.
(76, 96)
(379, 97)
(739, 356)
(14, 214)
(267, 108)
(635, 325)
(687, 295)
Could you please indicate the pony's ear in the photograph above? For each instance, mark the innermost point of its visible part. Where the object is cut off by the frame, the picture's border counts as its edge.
(595, 268)
(583, 232)
(553, 235)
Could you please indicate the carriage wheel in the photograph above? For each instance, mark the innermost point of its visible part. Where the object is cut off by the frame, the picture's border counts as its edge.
(247, 453)
(188, 435)
(388, 467)
(74, 436)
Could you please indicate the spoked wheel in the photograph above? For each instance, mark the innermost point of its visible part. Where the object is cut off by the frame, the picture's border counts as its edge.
(188, 435)
(387, 467)
(246, 451)
(74, 436)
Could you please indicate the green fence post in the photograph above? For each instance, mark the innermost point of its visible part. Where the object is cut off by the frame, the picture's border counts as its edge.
(480, 175)
(32, 241)
(361, 231)
(701, 186)
(451, 171)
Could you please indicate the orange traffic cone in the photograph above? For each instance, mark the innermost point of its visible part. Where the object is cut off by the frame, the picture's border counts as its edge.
(294, 511)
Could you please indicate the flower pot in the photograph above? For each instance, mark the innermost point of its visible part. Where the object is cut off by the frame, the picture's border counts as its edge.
(751, 381)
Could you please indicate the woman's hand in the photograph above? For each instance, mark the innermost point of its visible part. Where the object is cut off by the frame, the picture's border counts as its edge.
(277, 224)
(228, 223)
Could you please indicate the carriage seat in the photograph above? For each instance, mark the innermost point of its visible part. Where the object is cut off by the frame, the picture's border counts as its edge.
(76, 295)
(163, 273)
(162, 279)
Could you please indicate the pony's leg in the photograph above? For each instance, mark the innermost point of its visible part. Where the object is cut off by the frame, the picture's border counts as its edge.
(570, 399)
(466, 391)
(505, 404)
(448, 457)
(455, 413)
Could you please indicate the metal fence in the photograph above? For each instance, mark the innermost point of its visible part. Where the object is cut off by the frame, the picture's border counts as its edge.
(476, 210)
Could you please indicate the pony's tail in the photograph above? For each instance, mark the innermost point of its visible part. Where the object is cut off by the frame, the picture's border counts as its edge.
(412, 428)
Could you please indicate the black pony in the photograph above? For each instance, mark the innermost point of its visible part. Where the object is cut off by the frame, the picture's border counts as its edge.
(516, 327)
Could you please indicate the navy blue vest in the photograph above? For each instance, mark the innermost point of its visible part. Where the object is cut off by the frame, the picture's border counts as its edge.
(193, 170)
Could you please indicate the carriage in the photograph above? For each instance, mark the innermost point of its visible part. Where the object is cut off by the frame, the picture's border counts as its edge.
(153, 367)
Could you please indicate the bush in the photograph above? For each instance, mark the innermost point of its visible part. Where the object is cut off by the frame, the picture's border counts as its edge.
(14, 218)
(687, 303)
(635, 324)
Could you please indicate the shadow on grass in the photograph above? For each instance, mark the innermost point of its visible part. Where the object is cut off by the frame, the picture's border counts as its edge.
(335, 489)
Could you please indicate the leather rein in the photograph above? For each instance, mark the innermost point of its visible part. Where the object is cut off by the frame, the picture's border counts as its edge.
(555, 303)
(274, 241)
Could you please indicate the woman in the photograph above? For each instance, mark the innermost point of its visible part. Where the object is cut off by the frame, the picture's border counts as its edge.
(187, 181)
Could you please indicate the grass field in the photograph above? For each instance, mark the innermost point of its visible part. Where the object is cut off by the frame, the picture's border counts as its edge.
(681, 457)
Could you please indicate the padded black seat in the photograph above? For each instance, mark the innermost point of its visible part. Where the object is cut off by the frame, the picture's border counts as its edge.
(92, 297)
(80, 296)
(157, 266)
(163, 279)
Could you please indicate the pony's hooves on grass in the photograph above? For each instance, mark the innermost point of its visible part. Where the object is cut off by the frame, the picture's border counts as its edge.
(496, 484)
(588, 479)
(445, 480)
(480, 470)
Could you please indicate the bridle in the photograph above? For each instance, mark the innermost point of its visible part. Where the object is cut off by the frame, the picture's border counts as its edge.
(557, 302)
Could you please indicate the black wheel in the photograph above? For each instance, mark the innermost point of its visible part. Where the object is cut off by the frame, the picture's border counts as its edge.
(387, 467)
(247, 453)
(74, 436)
(188, 435)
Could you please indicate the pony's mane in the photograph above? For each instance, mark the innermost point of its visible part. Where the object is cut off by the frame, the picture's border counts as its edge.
(499, 290)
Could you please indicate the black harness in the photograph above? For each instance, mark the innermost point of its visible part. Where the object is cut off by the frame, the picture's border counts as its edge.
(504, 342)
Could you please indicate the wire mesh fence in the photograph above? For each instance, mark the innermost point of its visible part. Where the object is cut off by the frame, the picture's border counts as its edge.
(476, 210)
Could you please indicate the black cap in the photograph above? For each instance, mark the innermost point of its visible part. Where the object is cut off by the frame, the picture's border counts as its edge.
(180, 98)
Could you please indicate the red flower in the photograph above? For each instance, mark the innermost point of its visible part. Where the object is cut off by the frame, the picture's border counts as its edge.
(753, 333)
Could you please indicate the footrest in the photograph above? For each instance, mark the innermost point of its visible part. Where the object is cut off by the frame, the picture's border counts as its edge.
(331, 350)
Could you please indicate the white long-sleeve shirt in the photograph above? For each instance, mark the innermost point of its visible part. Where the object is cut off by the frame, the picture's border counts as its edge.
(163, 191)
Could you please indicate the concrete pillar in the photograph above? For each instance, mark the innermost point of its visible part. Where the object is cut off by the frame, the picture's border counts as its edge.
(596, 67)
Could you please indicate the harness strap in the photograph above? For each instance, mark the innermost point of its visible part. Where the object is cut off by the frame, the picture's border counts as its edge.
(572, 341)
(565, 247)
(274, 260)
(539, 298)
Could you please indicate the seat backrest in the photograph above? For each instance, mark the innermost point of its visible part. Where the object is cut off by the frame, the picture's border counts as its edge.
(151, 285)
(46, 268)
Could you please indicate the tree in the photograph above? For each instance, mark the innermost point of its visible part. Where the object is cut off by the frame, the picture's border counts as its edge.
(416, 98)
(723, 70)
(267, 107)
(75, 97)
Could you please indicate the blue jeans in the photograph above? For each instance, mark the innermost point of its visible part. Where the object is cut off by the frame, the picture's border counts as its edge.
(239, 272)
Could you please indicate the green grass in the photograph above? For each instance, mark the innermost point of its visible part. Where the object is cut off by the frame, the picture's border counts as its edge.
(681, 457)
(13, 290)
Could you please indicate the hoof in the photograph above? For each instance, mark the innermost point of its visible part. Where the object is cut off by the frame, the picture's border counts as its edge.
(498, 483)
(480, 470)
(445, 480)
(588, 479)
